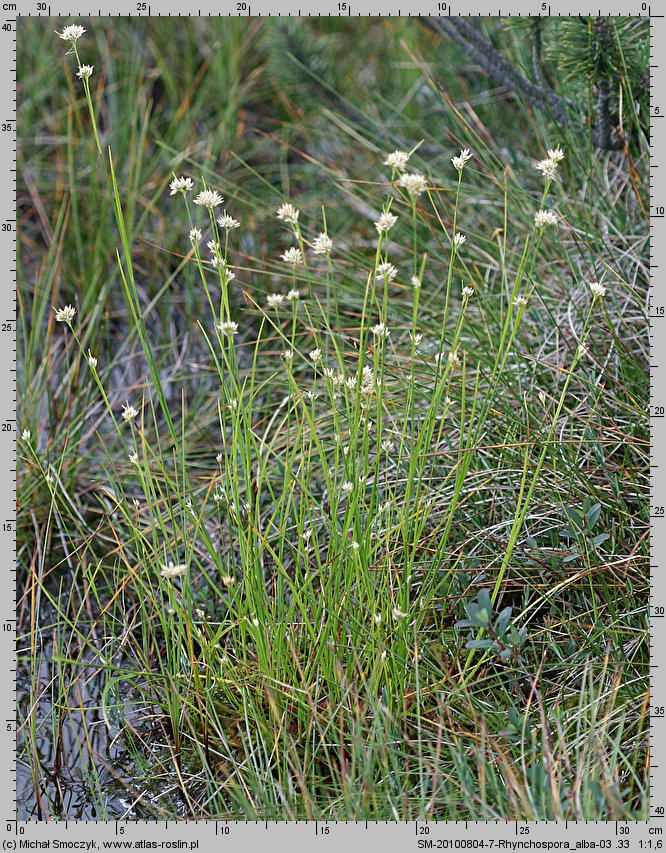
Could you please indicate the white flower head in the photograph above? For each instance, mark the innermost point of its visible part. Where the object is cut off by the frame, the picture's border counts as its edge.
(292, 256)
(414, 182)
(288, 213)
(228, 327)
(274, 300)
(293, 296)
(458, 240)
(347, 488)
(26, 435)
(454, 358)
(381, 331)
(71, 33)
(416, 282)
(461, 159)
(228, 222)
(171, 571)
(316, 356)
(467, 292)
(92, 361)
(221, 265)
(519, 302)
(195, 235)
(181, 185)
(85, 72)
(288, 355)
(543, 218)
(387, 271)
(548, 169)
(209, 198)
(129, 413)
(598, 289)
(322, 245)
(397, 160)
(65, 315)
(556, 154)
(399, 614)
(385, 222)
(134, 458)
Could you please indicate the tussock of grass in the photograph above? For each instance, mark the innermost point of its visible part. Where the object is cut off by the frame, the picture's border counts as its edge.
(387, 576)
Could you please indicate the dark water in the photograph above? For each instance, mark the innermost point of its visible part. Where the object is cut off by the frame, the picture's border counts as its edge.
(69, 761)
(72, 760)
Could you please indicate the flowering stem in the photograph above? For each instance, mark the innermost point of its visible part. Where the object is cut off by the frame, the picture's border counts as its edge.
(452, 258)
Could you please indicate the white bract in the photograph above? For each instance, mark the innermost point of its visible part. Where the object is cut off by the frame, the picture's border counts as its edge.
(322, 245)
(292, 256)
(129, 413)
(461, 159)
(228, 222)
(387, 271)
(397, 160)
(385, 222)
(228, 327)
(209, 199)
(171, 571)
(542, 218)
(548, 167)
(65, 315)
(414, 182)
(182, 185)
(288, 213)
(72, 33)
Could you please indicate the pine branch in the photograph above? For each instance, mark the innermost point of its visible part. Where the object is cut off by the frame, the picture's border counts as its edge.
(482, 52)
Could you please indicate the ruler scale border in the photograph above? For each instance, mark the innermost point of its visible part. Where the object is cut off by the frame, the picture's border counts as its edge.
(301, 835)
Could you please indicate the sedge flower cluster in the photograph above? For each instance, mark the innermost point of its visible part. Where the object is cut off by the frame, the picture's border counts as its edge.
(548, 167)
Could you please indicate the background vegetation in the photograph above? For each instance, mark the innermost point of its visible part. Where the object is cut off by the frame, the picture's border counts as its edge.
(279, 694)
